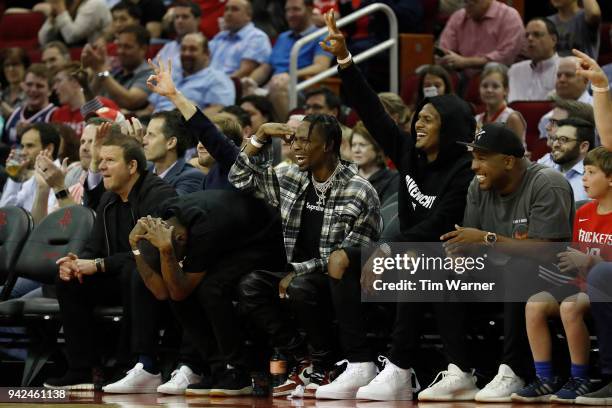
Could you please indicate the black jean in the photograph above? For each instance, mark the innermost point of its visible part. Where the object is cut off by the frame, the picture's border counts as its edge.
(309, 298)
(209, 320)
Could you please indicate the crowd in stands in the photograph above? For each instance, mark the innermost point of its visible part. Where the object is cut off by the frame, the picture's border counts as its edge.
(171, 120)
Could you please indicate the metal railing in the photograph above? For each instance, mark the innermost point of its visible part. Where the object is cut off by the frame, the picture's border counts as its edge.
(391, 43)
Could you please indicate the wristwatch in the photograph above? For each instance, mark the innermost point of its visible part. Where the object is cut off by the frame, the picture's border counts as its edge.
(490, 238)
(98, 262)
(103, 74)
(61, 194)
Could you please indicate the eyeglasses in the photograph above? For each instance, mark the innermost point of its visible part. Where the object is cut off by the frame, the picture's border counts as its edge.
(562, 139)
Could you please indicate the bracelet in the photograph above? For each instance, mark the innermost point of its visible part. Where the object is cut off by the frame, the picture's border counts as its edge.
(345, 60)
(600, 89)
(98, 263)
(256, 142)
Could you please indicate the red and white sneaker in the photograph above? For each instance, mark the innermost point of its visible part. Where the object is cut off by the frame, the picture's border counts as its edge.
(298, 376)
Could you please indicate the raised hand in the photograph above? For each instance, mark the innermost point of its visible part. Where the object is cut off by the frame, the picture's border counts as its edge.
(51, 174)
(334, 43)
(589, 68)
(161, 81)
(133, 128)
(271, 129)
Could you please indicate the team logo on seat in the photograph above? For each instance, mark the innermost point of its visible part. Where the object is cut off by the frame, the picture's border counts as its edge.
(66, 220)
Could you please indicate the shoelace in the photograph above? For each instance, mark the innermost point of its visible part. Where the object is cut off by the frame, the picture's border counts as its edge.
(388, 372)
(176, 375)
(538, 385)
(446, 375)
(500, 380)
(350, 368)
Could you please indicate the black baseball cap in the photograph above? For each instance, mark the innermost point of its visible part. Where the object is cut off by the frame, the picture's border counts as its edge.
(497, 138)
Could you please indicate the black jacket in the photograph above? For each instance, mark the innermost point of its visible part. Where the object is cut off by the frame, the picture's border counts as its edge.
(144, 198)
(385, 182)
(432, 196)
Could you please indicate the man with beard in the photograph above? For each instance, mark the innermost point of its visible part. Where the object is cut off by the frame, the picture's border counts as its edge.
(206, 87)
(570, 144)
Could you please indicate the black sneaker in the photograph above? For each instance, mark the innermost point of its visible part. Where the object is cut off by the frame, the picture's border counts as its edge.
(72, 380)
(603, 396)
(202, 388)
(232, 382)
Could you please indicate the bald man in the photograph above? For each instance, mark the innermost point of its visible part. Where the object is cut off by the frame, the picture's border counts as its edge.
(241, 47)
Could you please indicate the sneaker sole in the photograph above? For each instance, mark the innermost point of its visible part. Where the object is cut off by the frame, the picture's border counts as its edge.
(336, 395)
(131, 390)
(399, 396)
(542, 398)
(73, 387)
(593, 401)
(231, 393)
(201, 392)
(461, 396)
(556, 400)
(492, 399)
(170, 392)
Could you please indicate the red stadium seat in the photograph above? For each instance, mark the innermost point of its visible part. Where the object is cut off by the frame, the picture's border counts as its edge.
(472, 92)
(533, 111)
(20, 29)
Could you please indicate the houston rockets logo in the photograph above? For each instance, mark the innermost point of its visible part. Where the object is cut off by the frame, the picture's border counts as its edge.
(66, 220)
(2, 219)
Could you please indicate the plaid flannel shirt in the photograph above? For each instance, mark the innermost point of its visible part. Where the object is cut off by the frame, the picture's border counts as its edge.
(352, 212)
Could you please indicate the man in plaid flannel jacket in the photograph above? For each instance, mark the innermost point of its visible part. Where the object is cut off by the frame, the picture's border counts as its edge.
(325, 205)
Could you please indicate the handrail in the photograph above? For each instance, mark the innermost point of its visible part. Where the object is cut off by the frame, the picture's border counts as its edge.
(391, 43)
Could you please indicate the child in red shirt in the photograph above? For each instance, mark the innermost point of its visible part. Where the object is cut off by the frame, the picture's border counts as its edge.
(592, 243)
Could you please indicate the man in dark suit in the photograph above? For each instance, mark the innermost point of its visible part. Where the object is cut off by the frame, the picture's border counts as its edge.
(165, 142)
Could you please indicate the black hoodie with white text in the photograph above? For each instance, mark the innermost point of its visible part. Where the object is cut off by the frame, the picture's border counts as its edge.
(432, 196)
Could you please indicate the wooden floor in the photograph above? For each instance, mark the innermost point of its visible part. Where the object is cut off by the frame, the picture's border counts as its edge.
(159, 400)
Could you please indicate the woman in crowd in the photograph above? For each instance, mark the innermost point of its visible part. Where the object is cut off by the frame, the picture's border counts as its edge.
(493, 93)
(399, 112)
(370, 159)
(14, 62)
(433, 81)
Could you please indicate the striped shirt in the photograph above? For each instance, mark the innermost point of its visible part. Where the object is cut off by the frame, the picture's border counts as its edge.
(351, 216)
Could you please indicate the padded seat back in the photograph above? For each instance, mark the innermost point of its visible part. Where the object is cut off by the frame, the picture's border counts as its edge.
(65, 230)
(15, 226)
(20, 29)
(533, 111)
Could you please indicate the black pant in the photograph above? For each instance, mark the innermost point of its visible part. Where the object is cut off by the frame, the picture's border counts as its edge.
(77, 302)
(146, 317)
(209, 320)
(600, 294)
(309, 299)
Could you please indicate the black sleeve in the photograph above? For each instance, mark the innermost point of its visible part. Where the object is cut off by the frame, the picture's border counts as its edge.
(152, 10)
(373, 114)
(96, 245)
(221, 148)
(91, 198)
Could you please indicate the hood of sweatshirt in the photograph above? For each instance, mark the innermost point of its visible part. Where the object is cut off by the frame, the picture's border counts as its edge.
(457, 125)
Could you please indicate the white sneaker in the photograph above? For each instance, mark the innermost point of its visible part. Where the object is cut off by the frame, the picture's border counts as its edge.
(391, 384)
(455, 385)
(179, 380)
(346, 385)
(137, 381)
(501, 387)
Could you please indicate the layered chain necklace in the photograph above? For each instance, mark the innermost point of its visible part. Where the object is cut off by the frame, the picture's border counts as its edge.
(321, 188)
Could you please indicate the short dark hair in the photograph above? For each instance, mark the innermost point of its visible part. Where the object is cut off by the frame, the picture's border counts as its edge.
(601, 158)
(60, 46)
(132, 150)
(331, 99)
(575, 109)
(585, 132)
(550, 26)
(41, 71)
(140, 33)
(176, 126)
(262, 104)
(440, 72)
(329, 127)
(132, 9)
(195, 7)
(243, 116)
(48, 134)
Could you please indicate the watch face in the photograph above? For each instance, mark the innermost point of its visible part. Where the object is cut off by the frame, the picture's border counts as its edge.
(491, 238)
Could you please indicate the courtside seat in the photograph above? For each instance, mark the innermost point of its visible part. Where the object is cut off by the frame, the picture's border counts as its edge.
(15, 227)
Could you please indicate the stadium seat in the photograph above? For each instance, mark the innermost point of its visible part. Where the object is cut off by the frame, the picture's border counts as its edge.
(15, 226)
(20, 29)
(533, 111)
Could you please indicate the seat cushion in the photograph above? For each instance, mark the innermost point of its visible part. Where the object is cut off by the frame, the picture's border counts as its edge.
(11, 309)
(40, 306)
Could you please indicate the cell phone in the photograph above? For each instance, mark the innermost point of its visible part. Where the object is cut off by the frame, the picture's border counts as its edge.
(439, 51)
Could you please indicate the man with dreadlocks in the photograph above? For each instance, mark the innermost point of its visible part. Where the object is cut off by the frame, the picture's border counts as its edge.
(325, 205)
